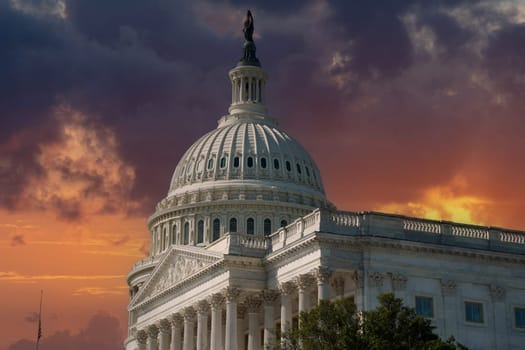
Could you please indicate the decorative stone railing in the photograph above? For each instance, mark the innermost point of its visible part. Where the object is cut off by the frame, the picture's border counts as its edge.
(398, 227)
(240, 243)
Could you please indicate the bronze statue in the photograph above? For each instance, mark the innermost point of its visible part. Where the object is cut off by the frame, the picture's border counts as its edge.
(248, 27)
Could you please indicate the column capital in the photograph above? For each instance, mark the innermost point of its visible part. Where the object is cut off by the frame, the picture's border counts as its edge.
(339, 285)
(375, 278)
(203, 307)
(216, 300)
(142, 337)
(153, 331)
(399, 281)
(448, 287)
(358, 278)
(231, 293)
(497, 292)
(177, 320)
(189, 314)
(269, 296)
(287, 288)
(241, 311)
(322, 274)
(253, 303)
(164, 326)
(304, 281)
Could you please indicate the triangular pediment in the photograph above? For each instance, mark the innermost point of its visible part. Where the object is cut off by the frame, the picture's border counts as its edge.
(180, 264)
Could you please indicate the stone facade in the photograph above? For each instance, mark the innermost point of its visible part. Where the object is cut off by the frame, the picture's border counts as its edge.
(245, 240)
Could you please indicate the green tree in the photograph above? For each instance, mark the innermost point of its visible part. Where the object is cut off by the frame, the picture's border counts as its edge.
(338, 325)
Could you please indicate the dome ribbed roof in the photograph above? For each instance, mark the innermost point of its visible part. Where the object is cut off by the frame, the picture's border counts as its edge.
(247, 148)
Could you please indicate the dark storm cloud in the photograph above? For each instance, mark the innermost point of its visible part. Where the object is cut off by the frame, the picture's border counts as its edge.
(154, 73)
(102, 333)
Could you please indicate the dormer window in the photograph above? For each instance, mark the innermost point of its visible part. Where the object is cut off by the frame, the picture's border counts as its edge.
(249, 162)
(263, 163)
(276, 163)
(236, 162)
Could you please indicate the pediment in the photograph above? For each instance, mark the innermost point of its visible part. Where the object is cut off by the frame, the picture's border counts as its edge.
(180, 264)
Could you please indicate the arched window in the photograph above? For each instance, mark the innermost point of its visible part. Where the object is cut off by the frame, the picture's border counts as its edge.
(223, 162)
(249, 162)
(267, 227)
(276, 163)
(298, 168)
(250, 226)
(233, 225)
(236, 162)
(187, 233)
(216, 229)
(174, 234)
(284, 223)
(288, 166)
(200, 231)
(263, 163)
(210, 164)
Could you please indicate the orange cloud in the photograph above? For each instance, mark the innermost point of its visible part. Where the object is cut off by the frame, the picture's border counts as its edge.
(16, 277)
(451, 201)
(100, 291)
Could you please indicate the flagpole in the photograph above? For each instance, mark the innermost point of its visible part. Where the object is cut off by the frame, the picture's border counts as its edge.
(39, 334)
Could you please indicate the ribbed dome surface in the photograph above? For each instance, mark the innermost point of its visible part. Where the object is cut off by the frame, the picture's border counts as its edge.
(246, 149)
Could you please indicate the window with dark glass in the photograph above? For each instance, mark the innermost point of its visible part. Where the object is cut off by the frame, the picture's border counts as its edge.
(250, 226)
(236, 162)
(284, 223)
(267, 227)
(276, 163)
(223, 162)
(473, 312)
(298, 168)
(210, 164)
(216, 229)
(233, 225)
(200, 231)
(187, 233)
(263, 163)
(288, 166)
(249, 162)
(519, 317)
(424, 306)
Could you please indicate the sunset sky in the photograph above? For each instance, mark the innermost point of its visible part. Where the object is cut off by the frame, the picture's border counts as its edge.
(412, 107)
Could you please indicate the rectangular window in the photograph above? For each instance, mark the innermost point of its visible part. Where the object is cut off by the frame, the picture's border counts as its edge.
(519, 317)
(473, 312)
(425, 306)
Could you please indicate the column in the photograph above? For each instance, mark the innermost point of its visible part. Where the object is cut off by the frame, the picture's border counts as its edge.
(448, 289)
(303, 282)
(269, 297)
(359, 285)
(498, 294)
(202, 325)
(253, 304)
(231, 295)
(287, 289)
(338, 284)
(153, 332)
(176, 330)
(241, 326)
(323, 287)
(165, 330)
(189, 320)
(142, 339)
(216, 302)
(256, 94)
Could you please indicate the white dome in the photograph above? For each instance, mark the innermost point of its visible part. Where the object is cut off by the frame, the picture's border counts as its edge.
(245, 149)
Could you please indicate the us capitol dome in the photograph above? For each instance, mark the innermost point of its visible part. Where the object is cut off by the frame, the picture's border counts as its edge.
(245, 240)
